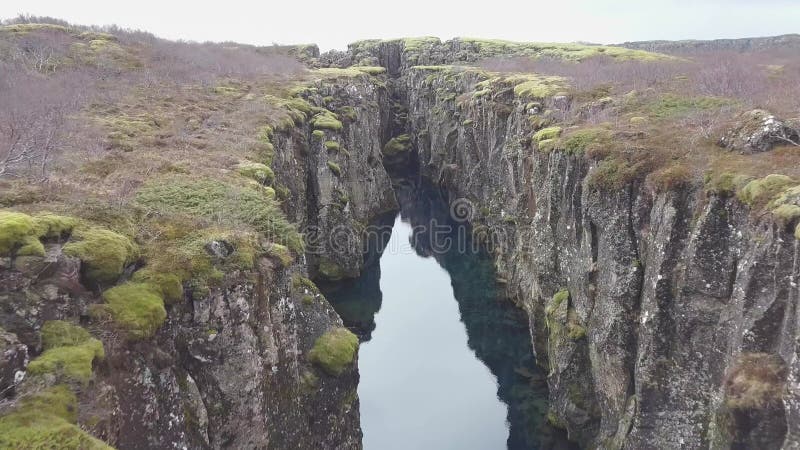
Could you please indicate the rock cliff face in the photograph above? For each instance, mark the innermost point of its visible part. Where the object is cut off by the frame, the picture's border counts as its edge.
(227, 370)
(231, 366)
(666, 297)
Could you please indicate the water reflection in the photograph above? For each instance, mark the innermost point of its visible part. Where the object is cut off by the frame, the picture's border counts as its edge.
(420, 383)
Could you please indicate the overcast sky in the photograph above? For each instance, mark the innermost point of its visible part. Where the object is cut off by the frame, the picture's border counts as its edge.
(334, 23)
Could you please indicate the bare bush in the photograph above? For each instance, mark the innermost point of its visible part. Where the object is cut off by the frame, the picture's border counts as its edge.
(32, 120)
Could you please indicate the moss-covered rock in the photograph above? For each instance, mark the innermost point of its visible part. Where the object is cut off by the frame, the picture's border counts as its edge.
(334, 351)
(396, 145)
(69, 352)
(21, 233)
(46, 420)
(169, 285)
(104, 253)
(326, 121)
(257, 171)
(137, 308)
(546, 133)
(335, 168)
(759, 192)
(15, 230)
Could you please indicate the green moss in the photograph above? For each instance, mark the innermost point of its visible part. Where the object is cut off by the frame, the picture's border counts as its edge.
(304, 284)
(536, 86)
(326, 121)
(759, 192)
(348, 112)
(46, 420)
(259, 172)
(371, 70)
(334, 351)
(787, 213)
(20, 233)
(281, 253)
(31, 246)
(222, 203)
(558, 298)
(69, 352)
(335, 168)
(797, 232)
(60, 333)
(53, 226)
(104, 254)
(546, 133)
(725, 183)
(15, 229)
(137, 308)
(579, 141)
(318, 134)
(169, 285)
(332, 146)
(671, 105)
(613, 174)
(396, 145)
(330, 269)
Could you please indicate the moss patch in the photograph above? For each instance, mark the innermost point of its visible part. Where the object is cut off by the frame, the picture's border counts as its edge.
(222, 203)
(335, 168)
(69, 352)
(137, 308)
(759, 192)
(169, 285)
(46, 420)
(334, 351)
(257, 171)
(326, 121)
(546, 133)
(332, 146)
(103, 253)
(396, 145)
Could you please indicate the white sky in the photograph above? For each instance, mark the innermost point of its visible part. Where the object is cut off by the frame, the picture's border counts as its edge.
(334, 23)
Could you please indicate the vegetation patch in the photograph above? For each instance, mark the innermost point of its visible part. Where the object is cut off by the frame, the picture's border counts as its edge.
(20, 233)
(332, 146)
(760, 192)
(396, 145)
(137, 308)
(334, 351)
(755, 381)
(335, 168)
(69, 352)
(257, 171)
(46, 420)
(326, 121)
(104, 253)
(169, 285)
(546, 133)
(222, 203)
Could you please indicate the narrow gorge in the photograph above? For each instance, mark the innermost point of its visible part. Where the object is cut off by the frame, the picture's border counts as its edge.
(628, 310)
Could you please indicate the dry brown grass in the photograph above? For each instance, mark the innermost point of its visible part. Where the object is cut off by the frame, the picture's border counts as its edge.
(755, 381)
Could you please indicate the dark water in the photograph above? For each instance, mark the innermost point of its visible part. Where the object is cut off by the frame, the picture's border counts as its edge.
(445, 359)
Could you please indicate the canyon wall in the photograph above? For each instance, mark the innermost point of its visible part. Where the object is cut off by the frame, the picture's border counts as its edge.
(642, 303)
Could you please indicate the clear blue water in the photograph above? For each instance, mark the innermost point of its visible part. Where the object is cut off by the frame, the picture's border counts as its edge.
(421, 385)
(445, 358)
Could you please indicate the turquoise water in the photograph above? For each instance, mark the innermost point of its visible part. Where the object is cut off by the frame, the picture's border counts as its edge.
(421, 386)
(445, 358)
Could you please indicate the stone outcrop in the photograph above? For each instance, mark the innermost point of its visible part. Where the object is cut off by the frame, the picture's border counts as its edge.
(759, 131)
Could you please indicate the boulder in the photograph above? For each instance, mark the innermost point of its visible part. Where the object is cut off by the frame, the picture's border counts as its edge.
(759, 131)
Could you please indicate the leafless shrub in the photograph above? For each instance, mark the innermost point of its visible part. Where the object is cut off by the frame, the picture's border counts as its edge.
(35, 110)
